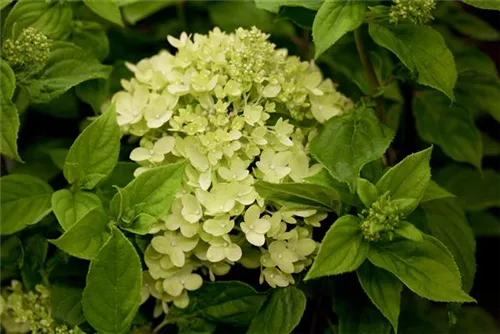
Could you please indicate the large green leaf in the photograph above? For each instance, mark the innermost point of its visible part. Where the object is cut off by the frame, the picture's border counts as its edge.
(484, 4)
(333, 20)
(478, 92)
(450, 127)
(357, 315)
(434, 191)
(343, 249)
(25, 201)
(230, 16)
(274, 6)
(300, 195)
(69, 207)
(484, 224)
(425, 267)
(148, 196)
(281, 313)
(383, 289)
(52, 19)
(108, 10)
(91, 36)
(35, 253)
(113, 291)
(66, 304)
(324, 178)
(94, 154)
(9, 127)
(350, 141)
(423, 50)
(408, 179)
(67, 66)
(85, 238)
(229, 302)
(137, 11)
(446, 221)
(475, 190)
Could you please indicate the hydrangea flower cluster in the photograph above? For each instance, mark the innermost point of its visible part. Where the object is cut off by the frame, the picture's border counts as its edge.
(23, 312)
(226, 103)
(415, 11)
(381, 219)
(29, 53)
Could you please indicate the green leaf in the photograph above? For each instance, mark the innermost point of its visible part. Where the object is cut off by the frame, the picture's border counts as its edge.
(300, 195)
(86, 237)
(367, 192)
(450, 127)
(52, 19)
(151, 193)
(350, 141)
(475, 320)
(230, 302)
(343, 249)
(25, 201)
(91, 37)
(484, 224)
(113, 291)
(122, 175)
(445, 220)
(35, 252)
(472, 58)
(333, 20)
(324, 178)
(359, 316)
(423, 50)
(230, 16)
(475, 190)
(11, 253)
(69, 207)
(106, 9)
(434, 191)
(5, 3)
(66, 304)
(281, 313)
(383, 289)
(408, 179)
(94, 154)
(491, 147)
(9, 127)
(302, 17)
(67, 66)
(93, 92)
(408, 231)
(466, 23)
(274, 5)
(478, 92)
(484, 4)
(135, 12)
(426, 268)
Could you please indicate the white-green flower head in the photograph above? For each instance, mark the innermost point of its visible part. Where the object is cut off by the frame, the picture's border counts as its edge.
(28, 53)
(28, 311)
(211, 104)
(415, 11)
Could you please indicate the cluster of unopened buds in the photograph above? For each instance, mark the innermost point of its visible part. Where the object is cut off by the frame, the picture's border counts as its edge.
(414, 11)
(381, 219)
(226, 103)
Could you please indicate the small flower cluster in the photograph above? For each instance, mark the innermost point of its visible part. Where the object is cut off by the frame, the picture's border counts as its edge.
(381, 218)
(415, 11)
(28, 54)
(23, 312)
(224, 104)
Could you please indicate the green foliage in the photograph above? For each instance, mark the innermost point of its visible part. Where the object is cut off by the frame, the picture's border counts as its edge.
(205, 180)
(113, 289)
(359, 138)
(281, 313)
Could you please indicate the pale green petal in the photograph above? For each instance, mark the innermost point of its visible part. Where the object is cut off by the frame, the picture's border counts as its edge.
(173, 286)
(255, 238)
(262, 226)
(233, 252)
(305, 247)
(161, 244)
(182, 301)
(177, 257)
(271, 90)
(252, 214)
(193, 282)
(140, 154)
(191, 210)
(164, 145)
(215, 253)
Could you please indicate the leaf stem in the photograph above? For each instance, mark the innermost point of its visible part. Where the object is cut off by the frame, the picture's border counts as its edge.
(370, 73)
